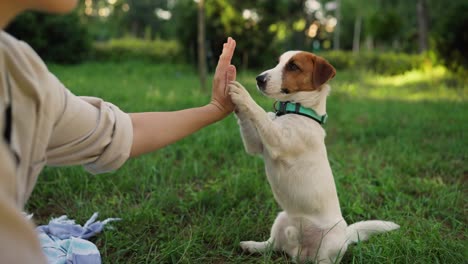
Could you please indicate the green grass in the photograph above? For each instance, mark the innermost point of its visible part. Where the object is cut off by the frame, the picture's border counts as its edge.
(397, 146)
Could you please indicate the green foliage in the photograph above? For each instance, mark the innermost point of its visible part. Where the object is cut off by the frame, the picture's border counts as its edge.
(138, 49)
(397, 147)
(141, 20)
(385, 25)
(388, 25)
(55, 38)
(185, 17)
(257, 45)
(224, 18)
(450, 37)
(378, 62)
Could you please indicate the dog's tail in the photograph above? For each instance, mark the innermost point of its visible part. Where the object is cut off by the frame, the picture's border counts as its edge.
(361, 231)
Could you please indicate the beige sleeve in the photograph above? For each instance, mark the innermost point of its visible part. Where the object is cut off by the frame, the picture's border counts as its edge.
(91, 132)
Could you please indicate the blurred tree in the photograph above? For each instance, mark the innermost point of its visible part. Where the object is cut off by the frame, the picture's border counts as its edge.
(336, 35)
(56, 38)
(354, 23)
(346, 28)
(246, 21)
(422, 25)
(450, 34)
(264, 29)
(138, 18)
(363, 10)
(141, 17)
(185, 14)
(201, 44)
(385, 24)
(255, 23)
(385, 27)
(104, 19)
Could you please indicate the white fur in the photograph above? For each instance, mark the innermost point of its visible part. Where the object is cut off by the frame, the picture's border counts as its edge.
(311, 226)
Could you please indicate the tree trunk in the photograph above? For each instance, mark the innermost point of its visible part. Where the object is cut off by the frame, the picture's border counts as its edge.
(135, 29)
(336, 36)
(422, 25)
(201, 44)
(357, 34)
(370, 43)
(245, 61)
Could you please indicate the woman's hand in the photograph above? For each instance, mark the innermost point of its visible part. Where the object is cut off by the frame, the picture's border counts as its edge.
(154, 130)
(225, 73)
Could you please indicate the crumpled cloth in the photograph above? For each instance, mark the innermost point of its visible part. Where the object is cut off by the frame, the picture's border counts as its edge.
(65, 242)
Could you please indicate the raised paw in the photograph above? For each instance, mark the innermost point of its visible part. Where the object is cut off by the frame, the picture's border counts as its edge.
(239, 95)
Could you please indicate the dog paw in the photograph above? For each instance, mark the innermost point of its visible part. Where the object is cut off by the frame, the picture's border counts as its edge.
(253, 246)
(240, 97)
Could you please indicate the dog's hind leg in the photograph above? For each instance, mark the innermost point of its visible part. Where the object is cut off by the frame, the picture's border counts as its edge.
(278, 236)
(256, 247)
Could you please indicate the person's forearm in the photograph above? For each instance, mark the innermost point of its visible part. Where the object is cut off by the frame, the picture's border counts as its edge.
(154, 130)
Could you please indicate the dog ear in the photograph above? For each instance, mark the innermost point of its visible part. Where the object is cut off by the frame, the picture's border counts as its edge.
(323, 71)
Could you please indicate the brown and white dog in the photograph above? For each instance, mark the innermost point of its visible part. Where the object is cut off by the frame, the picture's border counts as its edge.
(311, 226)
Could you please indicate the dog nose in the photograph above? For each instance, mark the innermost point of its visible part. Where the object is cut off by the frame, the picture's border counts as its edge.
(261, 81)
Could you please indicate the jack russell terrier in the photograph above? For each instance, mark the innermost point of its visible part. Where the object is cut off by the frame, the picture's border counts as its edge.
(291, 141)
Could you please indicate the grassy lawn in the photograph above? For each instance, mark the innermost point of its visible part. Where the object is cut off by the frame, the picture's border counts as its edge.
(397, 146)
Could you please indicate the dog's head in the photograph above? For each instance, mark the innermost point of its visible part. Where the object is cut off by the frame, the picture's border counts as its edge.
(297, 71)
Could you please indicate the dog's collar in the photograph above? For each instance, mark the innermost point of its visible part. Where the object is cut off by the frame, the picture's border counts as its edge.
(296, 108)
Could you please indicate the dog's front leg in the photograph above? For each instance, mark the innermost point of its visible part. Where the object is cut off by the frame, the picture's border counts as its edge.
(252, 143)
(271, 135)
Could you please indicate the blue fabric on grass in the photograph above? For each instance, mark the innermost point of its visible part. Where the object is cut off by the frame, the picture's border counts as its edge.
(64, 242)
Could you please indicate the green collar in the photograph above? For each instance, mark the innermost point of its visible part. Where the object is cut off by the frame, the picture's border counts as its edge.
(296, 108)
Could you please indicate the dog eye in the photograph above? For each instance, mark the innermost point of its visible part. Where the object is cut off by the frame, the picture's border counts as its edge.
(292, 67)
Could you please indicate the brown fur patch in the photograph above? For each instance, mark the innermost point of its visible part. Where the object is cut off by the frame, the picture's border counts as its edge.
(306, 72)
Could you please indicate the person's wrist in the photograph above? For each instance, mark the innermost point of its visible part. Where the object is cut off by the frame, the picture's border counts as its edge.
(217, 110)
